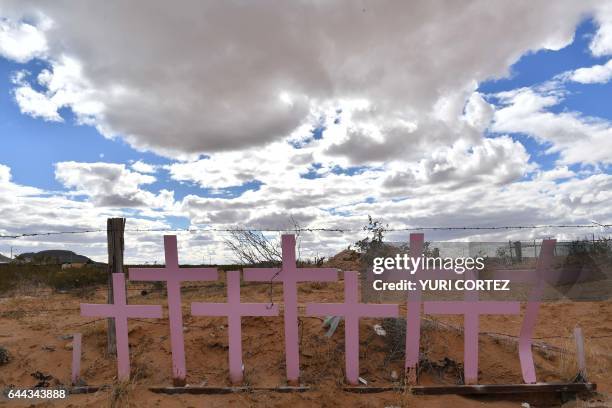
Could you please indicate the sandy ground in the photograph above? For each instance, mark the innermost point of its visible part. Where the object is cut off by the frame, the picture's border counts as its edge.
(33, 327)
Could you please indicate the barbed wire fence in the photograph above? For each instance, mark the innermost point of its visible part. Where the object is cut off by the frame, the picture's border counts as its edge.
(317, 229)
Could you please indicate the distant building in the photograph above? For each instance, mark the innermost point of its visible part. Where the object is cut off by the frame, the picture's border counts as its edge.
(73, 265)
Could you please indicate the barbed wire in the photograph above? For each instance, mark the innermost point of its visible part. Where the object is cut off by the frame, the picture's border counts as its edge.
(314, 229)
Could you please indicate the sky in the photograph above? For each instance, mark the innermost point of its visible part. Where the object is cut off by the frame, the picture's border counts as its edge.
(232, 114)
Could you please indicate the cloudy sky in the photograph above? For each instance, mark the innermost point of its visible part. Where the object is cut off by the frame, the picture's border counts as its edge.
(247, 114)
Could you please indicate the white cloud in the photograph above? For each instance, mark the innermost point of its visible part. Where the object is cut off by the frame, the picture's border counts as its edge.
(597, 74)
(220, 89)
(5, 174)
(403, 133)
(601, 44)
(21, 41)
(559, 172)
(143, 167)
(577, 138)
(111, 185)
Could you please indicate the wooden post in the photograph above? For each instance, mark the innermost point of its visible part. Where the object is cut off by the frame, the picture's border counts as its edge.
(580, 356)
(114, 233)
(519, 251)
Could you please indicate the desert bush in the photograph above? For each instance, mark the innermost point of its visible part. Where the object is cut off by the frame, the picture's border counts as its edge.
(14, 276)
(77, 278)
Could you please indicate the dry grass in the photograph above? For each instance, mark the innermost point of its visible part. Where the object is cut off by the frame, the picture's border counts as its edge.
(120, 392)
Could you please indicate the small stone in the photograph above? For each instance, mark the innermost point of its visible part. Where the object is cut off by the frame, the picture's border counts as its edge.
(394, 375)
(48, 348)
(379, 330)
(68, 346)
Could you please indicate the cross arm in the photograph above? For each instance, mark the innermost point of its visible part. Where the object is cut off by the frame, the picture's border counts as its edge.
(148, 274)
(210, 309)
(326, 309)
(317, 274)
(475, 307)
(145, 311)
(258, 309)
(377, 310)
(261, 274)
(97, 310)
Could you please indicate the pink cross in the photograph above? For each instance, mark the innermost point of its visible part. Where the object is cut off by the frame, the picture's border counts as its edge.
(290, 275)
(121, 311)
(413, 306)
(542, 274)
(173, 276)
(352, 310)
(234, 310)
(471, 308)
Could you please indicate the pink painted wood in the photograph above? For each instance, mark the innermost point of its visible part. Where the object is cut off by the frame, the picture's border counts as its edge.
(121, 311)
(290, 275)
(413, 317)
(543, 273)
(540, 276)
(352, 311)
(173, 275)
(76, 358)
(471, 308)
(234, 310)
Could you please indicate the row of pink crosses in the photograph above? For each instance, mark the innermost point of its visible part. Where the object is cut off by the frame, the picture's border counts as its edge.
(351, 309)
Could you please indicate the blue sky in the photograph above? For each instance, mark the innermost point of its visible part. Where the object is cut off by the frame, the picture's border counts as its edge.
(235, 131)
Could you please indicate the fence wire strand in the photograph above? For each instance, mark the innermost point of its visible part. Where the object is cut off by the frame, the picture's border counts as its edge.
(314, 229)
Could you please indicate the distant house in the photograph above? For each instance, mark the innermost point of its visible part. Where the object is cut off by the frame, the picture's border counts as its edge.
(73, 265)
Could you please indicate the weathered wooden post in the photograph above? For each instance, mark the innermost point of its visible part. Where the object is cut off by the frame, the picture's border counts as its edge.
(519, 251)
(115, 228)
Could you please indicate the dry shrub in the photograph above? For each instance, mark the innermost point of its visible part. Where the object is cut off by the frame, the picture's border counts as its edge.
(119, 395)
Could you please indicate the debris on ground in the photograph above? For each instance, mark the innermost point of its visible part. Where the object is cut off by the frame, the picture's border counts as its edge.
(42, 378)
(5, 357)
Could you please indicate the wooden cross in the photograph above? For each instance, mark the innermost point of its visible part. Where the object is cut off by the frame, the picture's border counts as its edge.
(540, 276)
(471, 309)
(234, 310)
(290, 275)
(352, 311)
(120, 311)
(173, 276)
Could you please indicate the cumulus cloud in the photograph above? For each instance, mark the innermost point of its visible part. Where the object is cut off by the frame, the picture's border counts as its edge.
(597, 74)
(327, 112)
(5, 174)
(234, 75)
(20, 41)
(143, 167)
(111, 185)
(601, 44)
(576, 137)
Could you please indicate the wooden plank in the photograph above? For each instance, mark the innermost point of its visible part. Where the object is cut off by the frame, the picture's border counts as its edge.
(372, 390)
(87, 389)
(484, 389)
(224, 390)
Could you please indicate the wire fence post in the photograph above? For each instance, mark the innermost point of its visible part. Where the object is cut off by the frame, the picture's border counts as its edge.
(115, 228)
